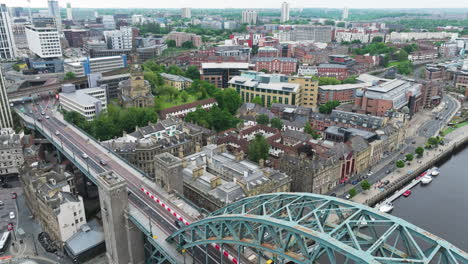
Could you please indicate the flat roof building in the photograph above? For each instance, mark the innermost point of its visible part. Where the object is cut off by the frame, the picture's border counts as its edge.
(87, 102)
(219, 74)
(85, 66)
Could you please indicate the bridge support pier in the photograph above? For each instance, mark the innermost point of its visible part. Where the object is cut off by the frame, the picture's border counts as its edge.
(135, 238)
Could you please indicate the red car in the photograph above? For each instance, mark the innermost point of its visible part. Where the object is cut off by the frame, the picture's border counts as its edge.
(14, 195)
(10, 226)
(407, 193)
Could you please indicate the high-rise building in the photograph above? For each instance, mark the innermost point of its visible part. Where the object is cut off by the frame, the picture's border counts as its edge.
(345, 13)
(6, 120)
(186, 12)
(119, 39)
(108, 21)
(249, 17)
(43, 38)
(7, 41)
(284, 12)
(54, 11)
(69, 12)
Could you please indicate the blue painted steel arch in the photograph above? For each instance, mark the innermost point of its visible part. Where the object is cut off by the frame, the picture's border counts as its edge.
(306, 228)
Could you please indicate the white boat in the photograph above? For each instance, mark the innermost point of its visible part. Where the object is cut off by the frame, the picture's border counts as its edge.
(426, 179)
(386, 207)
(435, 171)
(364, 221)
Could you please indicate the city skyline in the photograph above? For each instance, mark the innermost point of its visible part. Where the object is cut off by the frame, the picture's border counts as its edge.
(398, 4)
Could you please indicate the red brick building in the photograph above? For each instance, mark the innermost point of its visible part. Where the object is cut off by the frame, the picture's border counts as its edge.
(282, 65)
(333, 70)
(268, 52)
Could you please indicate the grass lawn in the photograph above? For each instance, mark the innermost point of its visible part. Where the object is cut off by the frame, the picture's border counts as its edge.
(452, 128)
(164, 102)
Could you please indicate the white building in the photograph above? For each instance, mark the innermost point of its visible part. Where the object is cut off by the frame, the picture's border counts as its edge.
(350, 36)
(84, 66)
(87, 102)
(54, 11)
(11, 152)
(408, 36)
(138, 19)
(186, 12)
(249, 17)
(119, 39)
(108, 21)
(284, 12)
(6, 120)
(7, 41)
(44, 41)
(345, 13)
(307, 70)
(69, 12)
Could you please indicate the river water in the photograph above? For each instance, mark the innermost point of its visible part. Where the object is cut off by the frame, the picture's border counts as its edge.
(442, 206)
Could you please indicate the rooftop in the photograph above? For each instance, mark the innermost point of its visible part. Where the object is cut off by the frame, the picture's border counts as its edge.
(225, 65)
(176, 78)
(82, 97)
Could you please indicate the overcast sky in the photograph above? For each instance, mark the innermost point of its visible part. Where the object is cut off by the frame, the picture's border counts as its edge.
(246, 3)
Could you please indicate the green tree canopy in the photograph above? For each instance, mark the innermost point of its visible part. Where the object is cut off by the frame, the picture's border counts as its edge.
(309, 130)
(419, 151)
(377, 39)
(409, 157)
(400, 163)
(262, 119)
(276, 123)
(328, 107)
(69, 76)
(365, 185)
(258, 100)
(341, 24)
(171, 43)
(258, 148)
(192, 72)
(352, 192)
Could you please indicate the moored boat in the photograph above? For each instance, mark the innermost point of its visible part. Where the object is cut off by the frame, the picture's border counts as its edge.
(386, 207)
(426, 179)
(435, 171)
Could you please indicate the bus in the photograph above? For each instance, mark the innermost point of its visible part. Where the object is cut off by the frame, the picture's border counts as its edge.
(4, 242)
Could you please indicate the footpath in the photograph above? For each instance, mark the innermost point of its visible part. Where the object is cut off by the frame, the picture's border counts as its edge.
(429, 157)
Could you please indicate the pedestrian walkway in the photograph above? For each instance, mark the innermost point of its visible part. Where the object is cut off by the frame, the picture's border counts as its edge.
(428, 156)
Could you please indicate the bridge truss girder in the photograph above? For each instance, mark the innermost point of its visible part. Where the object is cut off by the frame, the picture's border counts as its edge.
(308, 228)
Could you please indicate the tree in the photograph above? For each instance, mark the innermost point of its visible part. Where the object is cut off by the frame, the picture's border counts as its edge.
(258, 148)
(16, 67)
(352, 192)
(419, 151)
(192, 72)
(69, 76)
(262, 119)
(400, 164)
(404, 67)
(365, 185)
(433, 141)
(377, 39)
(184, 96)
(228, 99)
(171, 43)
(328, 107)
(409, 157)
(341, 24)
(257, 100)
(309, 130)
(329, 22)
(264, 70)
(187, 45)
(402, 55)
(276, 123)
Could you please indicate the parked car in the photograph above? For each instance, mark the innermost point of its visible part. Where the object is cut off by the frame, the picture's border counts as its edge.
(6, 185)
(14, 195)
(10, 226)
(354, 182)
(348, 196)
(12, 215)
(333, 194)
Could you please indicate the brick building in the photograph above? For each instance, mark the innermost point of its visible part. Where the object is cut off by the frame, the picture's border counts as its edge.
(275, 64)
(181, 37)
(219, 74)
(333, 70)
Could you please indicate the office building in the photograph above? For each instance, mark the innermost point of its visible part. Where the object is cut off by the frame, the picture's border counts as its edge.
(271, 88)
(11, 152)
(109, 22)
(94, 44)
(345, 13)
(54, 11)
(84, 66)
(44, 39)
(284, 12)
(119, 39)
(19, 34)
(7, 41)
(344, 93)
(87, 102)
(138, 19)
(249, 17)
(181, 37)
(69, 12)
(312, 33)
(111, 83)
(6, 120)
(283, 65)
(186, 12)
(76, 37)
(219, 74)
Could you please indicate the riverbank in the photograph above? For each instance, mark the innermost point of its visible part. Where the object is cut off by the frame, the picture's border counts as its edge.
(454, 141)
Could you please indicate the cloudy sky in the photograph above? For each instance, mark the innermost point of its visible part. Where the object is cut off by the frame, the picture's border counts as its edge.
(246, 3)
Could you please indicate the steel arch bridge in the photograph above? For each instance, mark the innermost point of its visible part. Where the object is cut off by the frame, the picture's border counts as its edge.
(311, 228)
